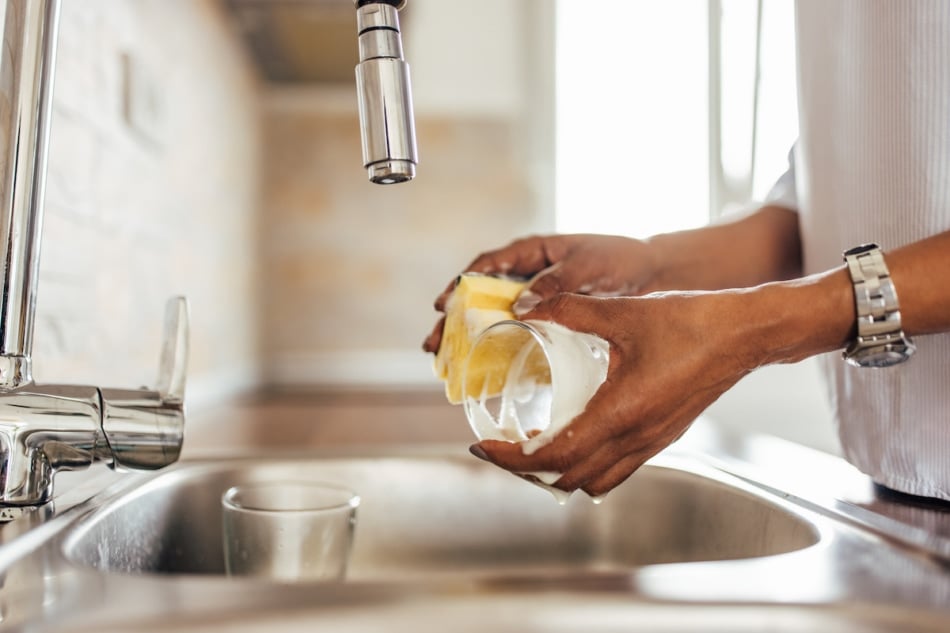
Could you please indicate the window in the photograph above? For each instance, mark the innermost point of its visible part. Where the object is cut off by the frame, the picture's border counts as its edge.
(653, 132)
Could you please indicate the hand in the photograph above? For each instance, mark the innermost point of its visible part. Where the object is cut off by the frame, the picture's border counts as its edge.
(598, 265)
(672, 355)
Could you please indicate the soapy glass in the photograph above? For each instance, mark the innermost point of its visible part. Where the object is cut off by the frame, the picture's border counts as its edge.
(524, 381)
(289, 531)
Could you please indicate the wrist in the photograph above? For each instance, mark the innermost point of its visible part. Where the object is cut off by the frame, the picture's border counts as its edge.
(792, 320)
(681, 261)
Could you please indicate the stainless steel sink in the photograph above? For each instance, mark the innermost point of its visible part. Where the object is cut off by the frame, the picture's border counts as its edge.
(692, 542)
(443, 517)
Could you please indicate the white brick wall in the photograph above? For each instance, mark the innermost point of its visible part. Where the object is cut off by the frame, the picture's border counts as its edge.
(133, 218)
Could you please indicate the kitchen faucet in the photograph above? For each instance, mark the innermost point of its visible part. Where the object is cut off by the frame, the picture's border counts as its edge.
(385, 95)
(47, 428)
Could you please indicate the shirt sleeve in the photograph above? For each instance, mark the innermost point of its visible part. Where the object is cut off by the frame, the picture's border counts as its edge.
(784, 193)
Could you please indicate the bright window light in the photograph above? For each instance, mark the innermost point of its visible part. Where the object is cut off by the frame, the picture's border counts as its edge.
(633, 113)
(777, 121)
(632, 116)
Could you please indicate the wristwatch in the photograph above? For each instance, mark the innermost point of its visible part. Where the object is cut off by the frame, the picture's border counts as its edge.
(881, 341)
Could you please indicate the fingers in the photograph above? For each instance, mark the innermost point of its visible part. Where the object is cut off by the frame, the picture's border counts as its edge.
(582, 313)
(595, 466)
(615, 475)
(583, 437)
(546, 284)
(443, 297)
(597, 474)
(535, 257)
(598, 451)
(508, 455)
(432, 342)
(525, 257)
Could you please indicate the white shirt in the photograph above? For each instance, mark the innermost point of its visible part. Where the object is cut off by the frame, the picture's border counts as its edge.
(872, 164)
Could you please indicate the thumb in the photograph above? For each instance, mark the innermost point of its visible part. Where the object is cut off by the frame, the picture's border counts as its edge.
(548, 283)
(580, 313)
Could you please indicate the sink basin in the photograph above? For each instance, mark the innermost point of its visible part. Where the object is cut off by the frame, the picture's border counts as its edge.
(689, 543)
(452, 516)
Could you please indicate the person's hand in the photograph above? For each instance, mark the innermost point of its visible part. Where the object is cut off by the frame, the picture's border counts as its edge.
(671, 355)
(597, 265)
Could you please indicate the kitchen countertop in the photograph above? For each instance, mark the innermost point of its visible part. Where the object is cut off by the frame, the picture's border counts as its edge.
(298, 420)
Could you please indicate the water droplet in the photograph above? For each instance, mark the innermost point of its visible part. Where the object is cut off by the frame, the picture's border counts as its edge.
(559, 495)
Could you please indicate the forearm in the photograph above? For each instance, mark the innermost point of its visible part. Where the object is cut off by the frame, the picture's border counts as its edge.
(761, 247)
(785, 322)
(791, 320)
(921, 275)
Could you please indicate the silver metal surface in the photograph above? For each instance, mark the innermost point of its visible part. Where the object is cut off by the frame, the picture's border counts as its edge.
(26, 85)
(399, 4)
(144, 427)
(880, 340)
(375, 15)
(48, 428)
(426, 518)
(687, 544)
(384, 93)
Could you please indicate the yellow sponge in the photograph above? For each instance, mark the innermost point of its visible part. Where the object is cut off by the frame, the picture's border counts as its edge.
(477, 302)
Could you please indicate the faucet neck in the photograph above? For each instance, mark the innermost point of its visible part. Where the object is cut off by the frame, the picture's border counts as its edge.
(26, 86)
(15, 371)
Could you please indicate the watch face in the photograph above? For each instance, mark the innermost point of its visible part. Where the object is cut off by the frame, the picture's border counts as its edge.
(881, 356)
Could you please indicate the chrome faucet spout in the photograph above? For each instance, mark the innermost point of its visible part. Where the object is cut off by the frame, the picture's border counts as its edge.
(387, 125)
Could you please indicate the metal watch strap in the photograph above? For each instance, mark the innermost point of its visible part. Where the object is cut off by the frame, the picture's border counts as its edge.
(880, 337)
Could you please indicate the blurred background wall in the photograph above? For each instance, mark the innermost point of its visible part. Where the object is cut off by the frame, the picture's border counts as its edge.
(189, 158)
(211, 148)
(352, 269)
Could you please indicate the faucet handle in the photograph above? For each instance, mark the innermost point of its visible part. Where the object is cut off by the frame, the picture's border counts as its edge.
(173, 364)
(144, 427)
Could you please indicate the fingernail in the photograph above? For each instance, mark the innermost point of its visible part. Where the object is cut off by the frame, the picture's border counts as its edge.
(477, 451)
(526, 302)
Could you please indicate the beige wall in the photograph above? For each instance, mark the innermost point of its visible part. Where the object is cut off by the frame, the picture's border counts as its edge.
(352, 268)
(135, 214)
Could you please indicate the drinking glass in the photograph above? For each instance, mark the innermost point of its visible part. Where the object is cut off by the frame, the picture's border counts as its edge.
(524, 381)
(290, 531)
